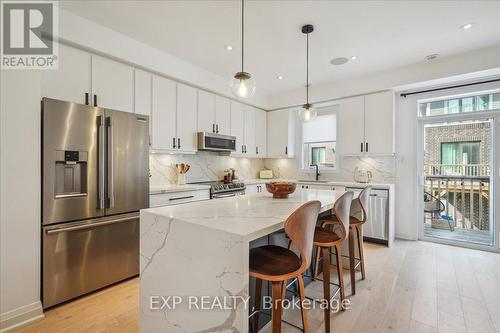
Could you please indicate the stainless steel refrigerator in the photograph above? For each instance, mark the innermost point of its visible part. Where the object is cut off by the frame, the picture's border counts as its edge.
(95, 179)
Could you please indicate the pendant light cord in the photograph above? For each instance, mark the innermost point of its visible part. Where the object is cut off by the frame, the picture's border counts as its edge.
(242, 33)
(307, 68)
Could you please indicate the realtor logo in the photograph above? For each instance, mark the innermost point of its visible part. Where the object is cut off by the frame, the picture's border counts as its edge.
(28, 30)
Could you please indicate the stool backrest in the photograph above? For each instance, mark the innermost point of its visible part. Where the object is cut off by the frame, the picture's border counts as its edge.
(342, 209)
(299, 226)
(361, 204)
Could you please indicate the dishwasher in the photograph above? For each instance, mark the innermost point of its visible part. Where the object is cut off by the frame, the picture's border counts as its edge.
(376, 227)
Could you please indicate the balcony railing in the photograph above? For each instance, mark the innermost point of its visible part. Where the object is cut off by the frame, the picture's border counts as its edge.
(468, 170)
(466, 198)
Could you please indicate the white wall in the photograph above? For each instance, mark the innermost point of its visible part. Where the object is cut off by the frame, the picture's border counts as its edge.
(19, 197)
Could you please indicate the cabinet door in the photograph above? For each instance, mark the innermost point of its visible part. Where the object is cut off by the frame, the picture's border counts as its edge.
(237, 126)
(72, 80)
(277, 133)
(113, 84)
(351, 120)
(249, 131)
(187, 103)
(206, 111)
(379, 123)
(142, 100)
(251, 189)
(223, 115)
(261, 132)
(164, 114)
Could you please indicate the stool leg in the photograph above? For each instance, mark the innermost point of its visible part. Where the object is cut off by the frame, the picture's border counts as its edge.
(316, 262)
(340, 271)
(277, 306)
(258, 299)
(359, 230)
(326, 285)
(352, 263)
(302, 294)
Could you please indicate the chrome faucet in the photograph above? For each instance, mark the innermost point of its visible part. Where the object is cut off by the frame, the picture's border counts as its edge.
(317, 171)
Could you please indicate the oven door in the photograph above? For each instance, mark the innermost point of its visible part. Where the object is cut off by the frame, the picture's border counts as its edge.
(227, 194)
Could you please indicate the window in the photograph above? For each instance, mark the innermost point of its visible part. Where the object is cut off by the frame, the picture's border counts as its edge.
(483, 102)
(460, 153)
(319, 140)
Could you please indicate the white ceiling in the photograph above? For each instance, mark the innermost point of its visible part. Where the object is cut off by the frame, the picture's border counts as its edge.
(383, 34)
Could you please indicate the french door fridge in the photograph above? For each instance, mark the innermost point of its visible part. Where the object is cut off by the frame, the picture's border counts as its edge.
(95, 179)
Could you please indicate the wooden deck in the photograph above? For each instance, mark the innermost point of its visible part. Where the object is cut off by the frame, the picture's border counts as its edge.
(462, 235)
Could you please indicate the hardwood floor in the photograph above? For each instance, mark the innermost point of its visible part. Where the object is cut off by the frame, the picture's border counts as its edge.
(411, 287)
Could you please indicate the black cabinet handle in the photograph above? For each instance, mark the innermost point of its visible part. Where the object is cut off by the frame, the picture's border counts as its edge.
(286, 150)
(216, 128)
(181, 198)
(173, 144)
(95, 100)
(178, 143)
(213, 128)
(366, 147)
(87, 98)
(256, 150)
(361, 146)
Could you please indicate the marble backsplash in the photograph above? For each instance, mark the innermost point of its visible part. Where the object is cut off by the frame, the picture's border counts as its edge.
(383, 168)
(205, 166)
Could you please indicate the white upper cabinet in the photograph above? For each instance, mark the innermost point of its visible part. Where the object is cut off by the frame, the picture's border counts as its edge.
(366, 124)
(164, 107)
(379, 123)
(143, 93)
(187, 103)
(351, 125)
(281, 133)
(261, 133)
(206, 112)
(113, 84)
(249, 132)
(238, 126)
(222, 115)
(72, 80)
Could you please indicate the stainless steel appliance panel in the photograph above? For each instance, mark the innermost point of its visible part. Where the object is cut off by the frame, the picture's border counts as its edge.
(216, 142)
(127, 146)
(81, 257)
(71, 189)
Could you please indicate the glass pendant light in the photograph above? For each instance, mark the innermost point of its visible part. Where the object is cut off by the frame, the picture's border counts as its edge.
(308, 112)
(242, 84)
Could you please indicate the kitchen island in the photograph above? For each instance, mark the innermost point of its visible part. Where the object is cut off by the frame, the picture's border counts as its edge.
(194, 273)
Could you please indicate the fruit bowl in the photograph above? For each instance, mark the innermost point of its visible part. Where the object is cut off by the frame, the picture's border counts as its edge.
(280, 190)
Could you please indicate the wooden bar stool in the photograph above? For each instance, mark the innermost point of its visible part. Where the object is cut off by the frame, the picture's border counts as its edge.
(278, 264)
(325, 239)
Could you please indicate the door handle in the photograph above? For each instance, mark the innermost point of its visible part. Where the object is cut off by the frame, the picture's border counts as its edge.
(111, 173)
(257, 150)
(361, 146)
(178, 143)
(90, 225)
(213, 128)
(180, 198)
(286, 150)
(100, 162)
(95, 100)
(86, 98)
(217, 128)
(173, 142)
(366, 147)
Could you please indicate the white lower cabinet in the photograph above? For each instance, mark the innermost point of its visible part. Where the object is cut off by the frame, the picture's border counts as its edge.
(321, 186)
(175, 198)
(255, 188)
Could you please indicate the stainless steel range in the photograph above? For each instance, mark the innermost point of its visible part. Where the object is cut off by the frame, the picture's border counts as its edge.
(224, 190)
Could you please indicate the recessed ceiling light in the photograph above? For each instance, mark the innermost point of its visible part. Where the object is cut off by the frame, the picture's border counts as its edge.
(279, 77)
(354, 57)
(339, 61)
(467, 26)
(228, 47)
(431, 56)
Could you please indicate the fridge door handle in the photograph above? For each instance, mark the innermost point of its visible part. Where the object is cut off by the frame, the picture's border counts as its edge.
(90, 225)
(100, 162)
(111, 182)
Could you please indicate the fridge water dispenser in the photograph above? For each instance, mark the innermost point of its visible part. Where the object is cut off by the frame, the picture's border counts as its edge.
(71, 173)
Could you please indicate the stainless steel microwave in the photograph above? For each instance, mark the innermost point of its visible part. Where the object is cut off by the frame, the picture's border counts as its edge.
(216, 142)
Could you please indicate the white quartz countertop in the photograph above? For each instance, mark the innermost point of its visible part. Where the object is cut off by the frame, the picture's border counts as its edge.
(177, 188)
(250, 216)
(333, 182)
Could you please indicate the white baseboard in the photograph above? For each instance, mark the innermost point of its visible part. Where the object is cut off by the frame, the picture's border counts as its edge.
(21, 316)
(406, 237)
